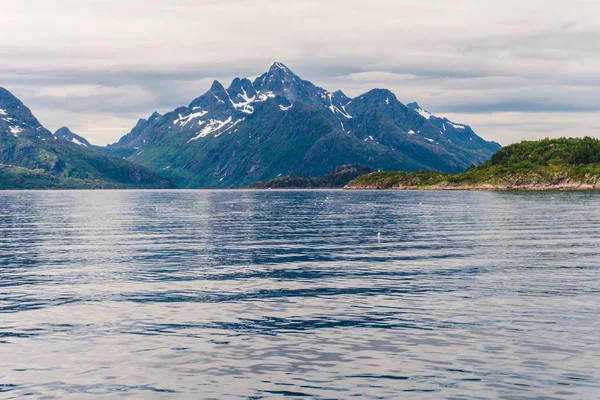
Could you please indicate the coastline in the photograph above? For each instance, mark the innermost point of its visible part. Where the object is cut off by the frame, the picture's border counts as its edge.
(534, 187)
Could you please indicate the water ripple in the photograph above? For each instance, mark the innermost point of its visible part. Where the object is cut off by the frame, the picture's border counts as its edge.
(257, 295)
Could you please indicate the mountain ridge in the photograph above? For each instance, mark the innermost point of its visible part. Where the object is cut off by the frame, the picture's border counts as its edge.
(282, 124)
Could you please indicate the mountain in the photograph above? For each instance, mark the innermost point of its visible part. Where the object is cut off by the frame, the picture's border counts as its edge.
(65, 133)
(280, 124)
(32, 157)
(340, 177)
(549, 164)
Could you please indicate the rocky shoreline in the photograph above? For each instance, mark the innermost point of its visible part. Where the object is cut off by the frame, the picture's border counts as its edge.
(566, 185)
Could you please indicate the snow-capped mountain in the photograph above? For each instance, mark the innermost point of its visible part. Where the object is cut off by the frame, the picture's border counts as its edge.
(32, 157)
(282, 124)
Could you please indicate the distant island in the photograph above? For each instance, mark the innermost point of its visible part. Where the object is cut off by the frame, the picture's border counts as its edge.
(548, 164)
(340, 177)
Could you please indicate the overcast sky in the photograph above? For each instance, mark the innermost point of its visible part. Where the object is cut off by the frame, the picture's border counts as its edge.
(513, 69)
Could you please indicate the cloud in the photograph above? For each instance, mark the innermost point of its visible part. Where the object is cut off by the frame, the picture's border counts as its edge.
(510, 127)
(99, 65)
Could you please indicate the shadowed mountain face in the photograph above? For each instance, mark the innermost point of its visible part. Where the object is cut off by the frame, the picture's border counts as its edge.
(32, 157)
(282, 125)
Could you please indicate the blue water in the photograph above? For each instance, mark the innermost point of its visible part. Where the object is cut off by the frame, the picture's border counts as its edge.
(244, 294)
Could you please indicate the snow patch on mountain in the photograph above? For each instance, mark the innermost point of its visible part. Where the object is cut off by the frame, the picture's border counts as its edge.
(212, 126)
(230, 127)
(246, 100)
(262, 97)
(74, 140)
(183, 121)
(335, 109)
(424, 114)
(15, 130)
(457, 126)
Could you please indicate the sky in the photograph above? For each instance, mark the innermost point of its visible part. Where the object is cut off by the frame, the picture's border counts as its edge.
(512, 69)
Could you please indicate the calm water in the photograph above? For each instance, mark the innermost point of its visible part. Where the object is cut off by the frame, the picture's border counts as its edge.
(202, 294)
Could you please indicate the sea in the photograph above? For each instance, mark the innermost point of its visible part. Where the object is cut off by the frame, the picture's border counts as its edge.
(299, 294)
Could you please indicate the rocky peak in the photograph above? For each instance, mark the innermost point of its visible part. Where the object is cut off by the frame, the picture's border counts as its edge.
(215, 100)
(218, 90)
(276, 79)
(65, 133)
(378, 97)
(15, 118)
(416, 107)
(340, 97)
(155, 115)
(281, 81)
(241, 90)
(278, 66)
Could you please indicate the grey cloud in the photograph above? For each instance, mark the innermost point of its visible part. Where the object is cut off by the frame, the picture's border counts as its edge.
(99, 65)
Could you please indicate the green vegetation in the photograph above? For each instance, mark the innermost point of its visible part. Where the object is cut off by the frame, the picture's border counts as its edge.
(547, 163)
(31, 163)
(418, 179)
(12, 177)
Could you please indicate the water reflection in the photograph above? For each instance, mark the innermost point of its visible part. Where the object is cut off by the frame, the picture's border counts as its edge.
(218, 294)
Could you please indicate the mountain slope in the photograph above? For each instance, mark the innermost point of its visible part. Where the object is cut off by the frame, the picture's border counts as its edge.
(282, 124)
(25, 143)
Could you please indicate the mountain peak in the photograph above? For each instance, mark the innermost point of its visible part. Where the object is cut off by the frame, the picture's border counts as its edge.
(62, 131)
(279, 66)
(154, 116)
(416, 107)
(281, 81)
(379, 96)
(279, 72)
(66, 134)
(15, 117)
(242, 93)
(217, 87)
(9, 100)
(5, 92)
(341, 97)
